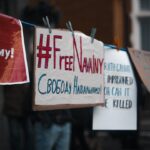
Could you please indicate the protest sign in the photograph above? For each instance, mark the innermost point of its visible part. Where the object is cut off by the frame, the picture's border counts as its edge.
(141, 61)
(13, 65)
(68, 70)
(120, 108)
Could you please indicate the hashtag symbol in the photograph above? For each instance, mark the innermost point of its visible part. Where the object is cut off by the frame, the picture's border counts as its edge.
(41, 55)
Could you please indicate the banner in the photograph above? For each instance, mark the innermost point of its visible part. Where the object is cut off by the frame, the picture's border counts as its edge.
(141, 61)
(68, 70)
(13, 65)
(120, 108)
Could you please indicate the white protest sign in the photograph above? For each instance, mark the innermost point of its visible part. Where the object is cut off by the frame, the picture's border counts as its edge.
(120, 110)
(68, 71)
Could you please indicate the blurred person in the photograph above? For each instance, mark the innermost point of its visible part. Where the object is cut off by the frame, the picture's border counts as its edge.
(81, 127)
(17, 108)
(34, 12)
(52, 129)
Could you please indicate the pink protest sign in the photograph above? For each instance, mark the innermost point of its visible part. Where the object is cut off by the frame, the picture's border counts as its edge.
(13, 65)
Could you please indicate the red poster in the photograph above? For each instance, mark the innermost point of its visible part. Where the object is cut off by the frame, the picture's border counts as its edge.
(13, 64)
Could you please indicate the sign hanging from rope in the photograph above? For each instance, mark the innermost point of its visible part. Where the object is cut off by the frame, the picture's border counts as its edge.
(120, 108)
(141, 61)
(68, 70)
(13, 64)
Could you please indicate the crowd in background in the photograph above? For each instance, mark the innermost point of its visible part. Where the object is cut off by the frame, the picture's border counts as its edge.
(48, 130)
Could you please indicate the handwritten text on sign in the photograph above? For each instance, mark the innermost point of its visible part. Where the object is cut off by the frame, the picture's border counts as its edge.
(69, 70)
(120, 109)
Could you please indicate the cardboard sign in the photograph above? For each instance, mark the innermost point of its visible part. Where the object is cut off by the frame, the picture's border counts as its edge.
(13, 65)
(141, 61)
(68, 70)
(120, 109)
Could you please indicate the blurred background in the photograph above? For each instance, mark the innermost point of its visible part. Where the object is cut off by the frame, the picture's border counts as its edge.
(125, 22)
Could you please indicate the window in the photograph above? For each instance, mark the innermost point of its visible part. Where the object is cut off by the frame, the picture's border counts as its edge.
(141, 24)
(145, 4)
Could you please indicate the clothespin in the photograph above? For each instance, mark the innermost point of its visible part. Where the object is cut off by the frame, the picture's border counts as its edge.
(69, 26)
(44, 20)
(46, 23)
(50, 30)
(93, 32)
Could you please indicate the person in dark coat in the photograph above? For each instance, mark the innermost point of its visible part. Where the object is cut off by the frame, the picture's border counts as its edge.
(17, 109)
(52, 129)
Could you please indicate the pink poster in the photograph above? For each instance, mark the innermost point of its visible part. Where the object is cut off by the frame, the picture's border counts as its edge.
(13, 64)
